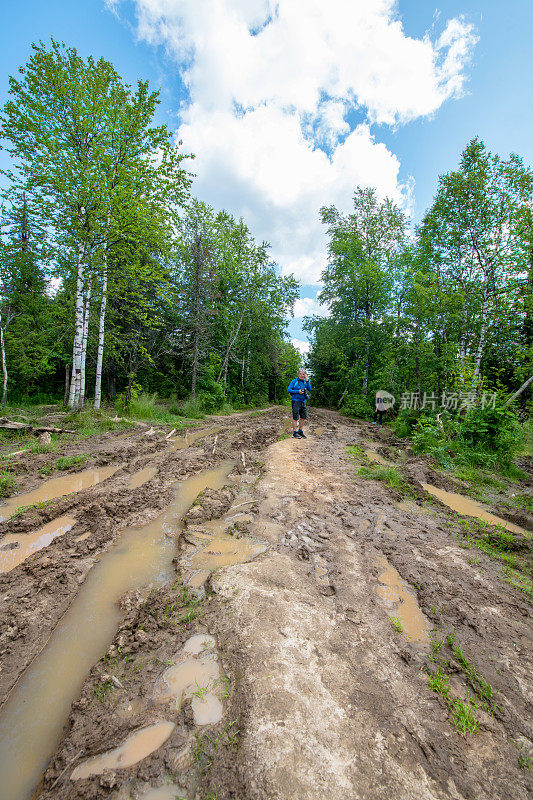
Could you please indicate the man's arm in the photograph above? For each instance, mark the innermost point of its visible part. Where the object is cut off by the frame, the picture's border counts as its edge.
(290, 386)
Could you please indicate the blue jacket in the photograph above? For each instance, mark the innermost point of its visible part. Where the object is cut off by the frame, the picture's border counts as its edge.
(294, 387)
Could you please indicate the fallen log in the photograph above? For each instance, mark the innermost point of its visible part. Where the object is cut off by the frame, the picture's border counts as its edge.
(9, 425)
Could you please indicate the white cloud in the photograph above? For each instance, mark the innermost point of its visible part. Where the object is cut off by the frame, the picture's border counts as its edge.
(302, 346)
(305, 306)
(271, 86)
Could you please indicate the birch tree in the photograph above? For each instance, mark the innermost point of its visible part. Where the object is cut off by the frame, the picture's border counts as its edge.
(82, 143)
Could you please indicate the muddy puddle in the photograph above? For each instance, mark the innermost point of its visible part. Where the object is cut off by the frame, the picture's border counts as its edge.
(34, 714)
(470, 508)
(181, 442)
(222, 548)
(196, 677)
(136, 747)
(141, 477)
(399, 600)
(16, 548)
(57, 487)
(169, 792)
(376, 458)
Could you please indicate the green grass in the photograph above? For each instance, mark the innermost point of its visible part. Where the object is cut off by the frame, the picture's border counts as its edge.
(524, 760)
(463, 717)
(388, 475)
(440, 683)
(102, 689)
(38, 448)
(66, 462)
(396, 624)
(8, 483)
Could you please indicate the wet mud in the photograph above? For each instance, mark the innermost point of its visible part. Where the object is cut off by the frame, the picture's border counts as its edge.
(280, 638)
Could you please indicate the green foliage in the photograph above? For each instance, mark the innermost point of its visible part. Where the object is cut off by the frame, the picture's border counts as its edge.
(405, 422)
(67, 462)
(389, 475)
(357, 406)
(8, 483)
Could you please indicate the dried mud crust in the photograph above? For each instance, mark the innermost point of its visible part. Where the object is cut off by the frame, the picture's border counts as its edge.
(326, 699)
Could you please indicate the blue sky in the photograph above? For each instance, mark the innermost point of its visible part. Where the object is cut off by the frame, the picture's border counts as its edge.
(281, 124)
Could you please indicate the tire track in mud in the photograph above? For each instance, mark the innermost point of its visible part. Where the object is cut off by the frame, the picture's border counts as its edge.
(334, 701)
(179, 460)
(324, 697)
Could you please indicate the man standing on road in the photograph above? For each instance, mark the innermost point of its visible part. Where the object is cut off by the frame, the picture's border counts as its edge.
(298, 389)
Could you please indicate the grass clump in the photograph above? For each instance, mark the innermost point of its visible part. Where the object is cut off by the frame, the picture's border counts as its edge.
(461, 711)
(397, 624)
(463, 717)
(388, 475)
(66, 462)
(8, 483)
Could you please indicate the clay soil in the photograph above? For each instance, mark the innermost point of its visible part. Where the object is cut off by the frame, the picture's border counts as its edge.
(325, 695)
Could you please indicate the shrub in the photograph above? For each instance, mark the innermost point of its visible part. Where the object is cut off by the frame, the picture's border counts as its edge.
(357, 406)
(405, 422)
(490, 432)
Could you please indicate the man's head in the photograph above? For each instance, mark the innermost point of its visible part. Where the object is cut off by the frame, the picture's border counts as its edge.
(302, 375)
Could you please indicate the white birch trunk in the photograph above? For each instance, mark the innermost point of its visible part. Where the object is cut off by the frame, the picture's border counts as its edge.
(101, 327)
(78, 335)
(86, 314)
(4, 367)
(100, 353)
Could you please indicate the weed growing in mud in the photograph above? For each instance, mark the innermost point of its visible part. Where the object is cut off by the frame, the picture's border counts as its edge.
(102, 689)
(463, 717)
(388, 475)
(200, 691)
(206, 745)
(436, 644)
(37, 506)
(183, 608)
(226, 692)
(37, 448)
(8, 484)
(524, 760)
(66, 462)
(397, 624)
(461, 712)
(439, 682)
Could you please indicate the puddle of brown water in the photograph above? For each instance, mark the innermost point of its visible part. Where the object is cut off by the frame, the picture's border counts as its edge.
(170, 792)
(197, 678)
(35, 712)
(181, 442)
(143, 476)
(468, 507)
(29, 543)
(400, 602)
(57, 487)
(373, 456)
(136, 747)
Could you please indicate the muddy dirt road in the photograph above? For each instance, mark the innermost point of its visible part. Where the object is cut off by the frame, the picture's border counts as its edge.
(237, 615)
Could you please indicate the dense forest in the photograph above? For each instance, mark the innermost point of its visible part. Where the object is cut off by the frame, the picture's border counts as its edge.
(441, 318)
(114, 279)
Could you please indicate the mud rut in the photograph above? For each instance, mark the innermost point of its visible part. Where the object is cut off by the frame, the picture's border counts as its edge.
(319, 695)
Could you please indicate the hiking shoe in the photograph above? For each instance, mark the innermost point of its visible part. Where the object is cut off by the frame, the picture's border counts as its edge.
(301, 434)
(295, 435)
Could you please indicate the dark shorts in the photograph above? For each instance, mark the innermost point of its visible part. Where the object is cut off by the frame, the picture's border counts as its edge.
(299, 410)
